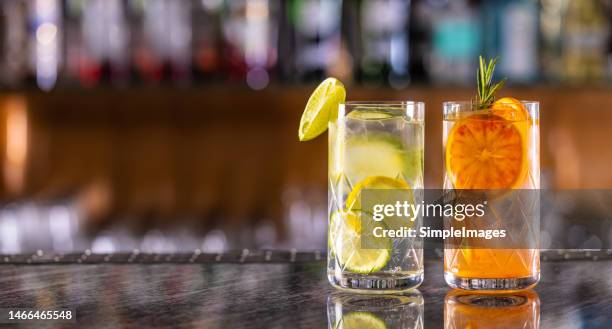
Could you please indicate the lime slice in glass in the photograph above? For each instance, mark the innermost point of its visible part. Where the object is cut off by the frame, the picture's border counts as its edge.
(380, 155)
(361, 320)
(322, 107)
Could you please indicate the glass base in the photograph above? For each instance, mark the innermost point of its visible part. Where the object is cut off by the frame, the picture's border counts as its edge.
(491, 284)
(375, 284)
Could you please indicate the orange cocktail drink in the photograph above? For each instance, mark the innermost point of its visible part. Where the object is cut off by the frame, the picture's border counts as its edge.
(493, 146)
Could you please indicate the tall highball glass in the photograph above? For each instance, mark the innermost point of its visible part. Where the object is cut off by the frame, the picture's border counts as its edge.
(373, 145)
(496, 151)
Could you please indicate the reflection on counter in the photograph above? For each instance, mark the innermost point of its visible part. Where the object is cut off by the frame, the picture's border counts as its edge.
(216, 295)
(466, 310)
(362, 311)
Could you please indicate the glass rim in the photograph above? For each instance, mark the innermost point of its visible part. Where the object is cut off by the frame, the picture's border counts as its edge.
(382, 103)
(450, 108)
(472, 103)
(411, 109)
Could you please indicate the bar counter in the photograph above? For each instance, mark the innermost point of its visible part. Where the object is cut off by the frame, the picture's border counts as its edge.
(281, 290)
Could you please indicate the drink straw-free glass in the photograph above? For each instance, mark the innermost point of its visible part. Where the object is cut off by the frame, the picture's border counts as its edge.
(373, 145)
(495, 150)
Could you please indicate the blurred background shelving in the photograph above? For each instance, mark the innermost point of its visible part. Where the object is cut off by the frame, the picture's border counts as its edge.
(170, 125)
(394, 43)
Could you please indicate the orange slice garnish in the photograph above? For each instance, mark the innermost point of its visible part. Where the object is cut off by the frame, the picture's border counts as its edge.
(486, 151)
(510, 109)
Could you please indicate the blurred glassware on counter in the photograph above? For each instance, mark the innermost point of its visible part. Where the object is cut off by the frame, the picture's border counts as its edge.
(28, 227)
(162, 39)
(305, 216)
(382, 42)
(250, 29)
(510, 28)
(97, 40)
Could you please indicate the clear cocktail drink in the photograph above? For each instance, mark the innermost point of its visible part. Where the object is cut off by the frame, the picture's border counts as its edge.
(373, 146)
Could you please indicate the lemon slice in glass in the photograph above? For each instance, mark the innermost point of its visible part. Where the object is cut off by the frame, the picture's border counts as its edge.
(361, 320)
(353, 201)
(401, 191)
(322, 107)
(346, 235)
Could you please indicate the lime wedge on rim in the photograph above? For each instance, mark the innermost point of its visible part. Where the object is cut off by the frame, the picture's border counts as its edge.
(346, 237)
(322, 107)
(361, 320)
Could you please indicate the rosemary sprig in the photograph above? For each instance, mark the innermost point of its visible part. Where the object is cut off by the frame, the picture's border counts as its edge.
(484, 80)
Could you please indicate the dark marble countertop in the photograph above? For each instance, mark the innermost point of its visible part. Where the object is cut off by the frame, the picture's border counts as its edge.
(572, 294)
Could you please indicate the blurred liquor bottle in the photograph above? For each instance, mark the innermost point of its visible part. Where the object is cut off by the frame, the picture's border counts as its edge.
(207, 39)
(161, 40)
(609, 53)
(14, 42)
(584, 34)
(382, 43)
(310, 39)
(42, 54)
(455, 40)
(45, 40)
(510, 31)
(97, 39)
(551, 19)
(250, 29)
(420, 41)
